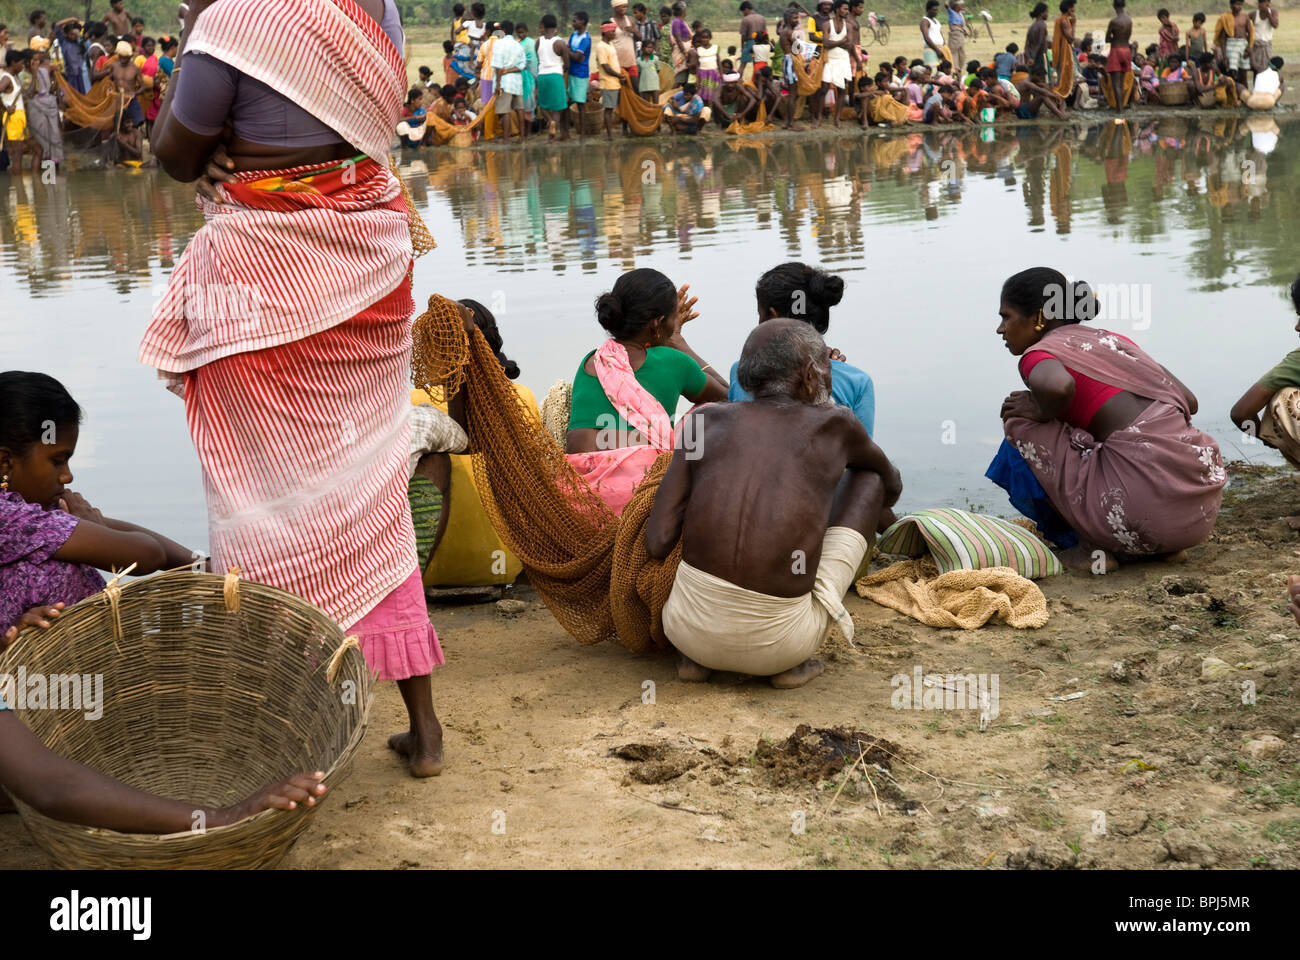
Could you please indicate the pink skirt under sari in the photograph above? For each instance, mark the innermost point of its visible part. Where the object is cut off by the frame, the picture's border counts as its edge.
(396, 636)
(614, 475)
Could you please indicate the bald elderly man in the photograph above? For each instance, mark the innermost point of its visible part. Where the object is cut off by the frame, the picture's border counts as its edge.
(775, 507)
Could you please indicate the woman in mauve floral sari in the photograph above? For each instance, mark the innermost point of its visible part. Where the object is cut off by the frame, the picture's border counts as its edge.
(1104, 429)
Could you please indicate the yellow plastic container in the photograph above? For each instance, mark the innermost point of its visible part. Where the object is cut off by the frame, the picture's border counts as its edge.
(470, 553)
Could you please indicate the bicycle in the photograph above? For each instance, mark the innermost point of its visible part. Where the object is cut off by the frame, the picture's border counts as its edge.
(879, 28)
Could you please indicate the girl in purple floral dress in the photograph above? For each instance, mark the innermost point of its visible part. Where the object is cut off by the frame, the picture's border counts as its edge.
(51, 540)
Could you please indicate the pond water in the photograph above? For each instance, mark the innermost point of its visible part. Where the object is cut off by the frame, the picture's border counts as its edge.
(1188, 224)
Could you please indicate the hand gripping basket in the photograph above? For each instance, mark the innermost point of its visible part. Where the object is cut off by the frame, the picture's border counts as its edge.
(212, 688)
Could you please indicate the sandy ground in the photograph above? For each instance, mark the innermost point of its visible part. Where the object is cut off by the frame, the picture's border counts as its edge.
(1149, 768)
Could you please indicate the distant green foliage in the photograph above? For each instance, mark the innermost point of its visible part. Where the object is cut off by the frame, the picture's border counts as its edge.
(159, 15)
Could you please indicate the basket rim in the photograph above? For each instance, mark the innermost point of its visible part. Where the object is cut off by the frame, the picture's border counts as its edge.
(98, 605)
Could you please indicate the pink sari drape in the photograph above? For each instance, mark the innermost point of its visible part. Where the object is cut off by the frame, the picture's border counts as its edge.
(617, 469)
(1153, 487)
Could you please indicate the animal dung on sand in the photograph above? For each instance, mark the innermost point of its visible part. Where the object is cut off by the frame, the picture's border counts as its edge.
(205, 698)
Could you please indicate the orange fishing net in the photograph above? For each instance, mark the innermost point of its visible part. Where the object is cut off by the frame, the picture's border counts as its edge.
(443, 132)
(642, 116)
(1109, 93)
(421, 239)
(588, 566)
(1062, 57)
(99, 109)
(809, 76)
(883, 108)
(758, 125)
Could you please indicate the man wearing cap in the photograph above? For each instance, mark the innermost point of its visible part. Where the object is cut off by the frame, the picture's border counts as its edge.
(508, 62)
(735, 101)
(126, 79)
(610, 73)
(625, 38)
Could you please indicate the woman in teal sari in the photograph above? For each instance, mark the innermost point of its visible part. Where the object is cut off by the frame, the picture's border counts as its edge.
(530, 68)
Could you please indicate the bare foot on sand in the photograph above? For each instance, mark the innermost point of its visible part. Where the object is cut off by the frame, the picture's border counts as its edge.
(1081, 559)
(688, 671)
(423, 755)
(798, 676)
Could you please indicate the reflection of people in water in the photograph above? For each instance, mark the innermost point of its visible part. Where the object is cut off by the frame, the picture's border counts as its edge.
(1115, 144)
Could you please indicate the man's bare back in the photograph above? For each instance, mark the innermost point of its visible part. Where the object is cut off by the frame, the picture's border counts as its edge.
(1119, 30)
(758, 499)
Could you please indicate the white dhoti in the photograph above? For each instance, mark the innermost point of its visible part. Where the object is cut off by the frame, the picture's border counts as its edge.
(838, 70)
(725, 627)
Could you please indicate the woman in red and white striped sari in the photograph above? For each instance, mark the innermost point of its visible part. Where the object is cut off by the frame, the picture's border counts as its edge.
(286, 323)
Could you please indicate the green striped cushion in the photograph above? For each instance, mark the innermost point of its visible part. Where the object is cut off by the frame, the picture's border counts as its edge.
(960, 540)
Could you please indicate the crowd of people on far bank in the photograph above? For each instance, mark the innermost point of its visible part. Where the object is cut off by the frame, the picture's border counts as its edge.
(106, 77)
(812, 65)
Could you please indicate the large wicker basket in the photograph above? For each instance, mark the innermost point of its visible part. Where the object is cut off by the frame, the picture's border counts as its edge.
(212, 688)
(1173, 93)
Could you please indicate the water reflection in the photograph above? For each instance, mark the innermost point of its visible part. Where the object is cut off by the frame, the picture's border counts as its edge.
(576, 209)
(113, 224)
(520, 210)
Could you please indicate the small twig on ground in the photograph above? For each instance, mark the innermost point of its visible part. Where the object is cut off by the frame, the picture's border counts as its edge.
(879, 810)
(843, 783)
(669, 806)
(640, 836)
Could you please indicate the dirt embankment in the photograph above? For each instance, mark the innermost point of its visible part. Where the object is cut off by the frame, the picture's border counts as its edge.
(559, 755)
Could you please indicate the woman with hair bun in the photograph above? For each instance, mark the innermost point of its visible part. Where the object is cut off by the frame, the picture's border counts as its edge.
(801, 292)
(626, 390)
(1105, 430)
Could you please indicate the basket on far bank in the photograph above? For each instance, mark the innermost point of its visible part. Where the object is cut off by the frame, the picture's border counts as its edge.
(212, 687)
(1173, 93)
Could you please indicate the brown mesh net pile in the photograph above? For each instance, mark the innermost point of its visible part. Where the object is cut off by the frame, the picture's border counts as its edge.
(809, 75)
(642, 116)
(98, 109)
(758, 125)
(589, 567)
(421, 239)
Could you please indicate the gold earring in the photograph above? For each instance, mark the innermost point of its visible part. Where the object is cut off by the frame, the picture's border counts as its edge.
(4, 484)
(1039, 325)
